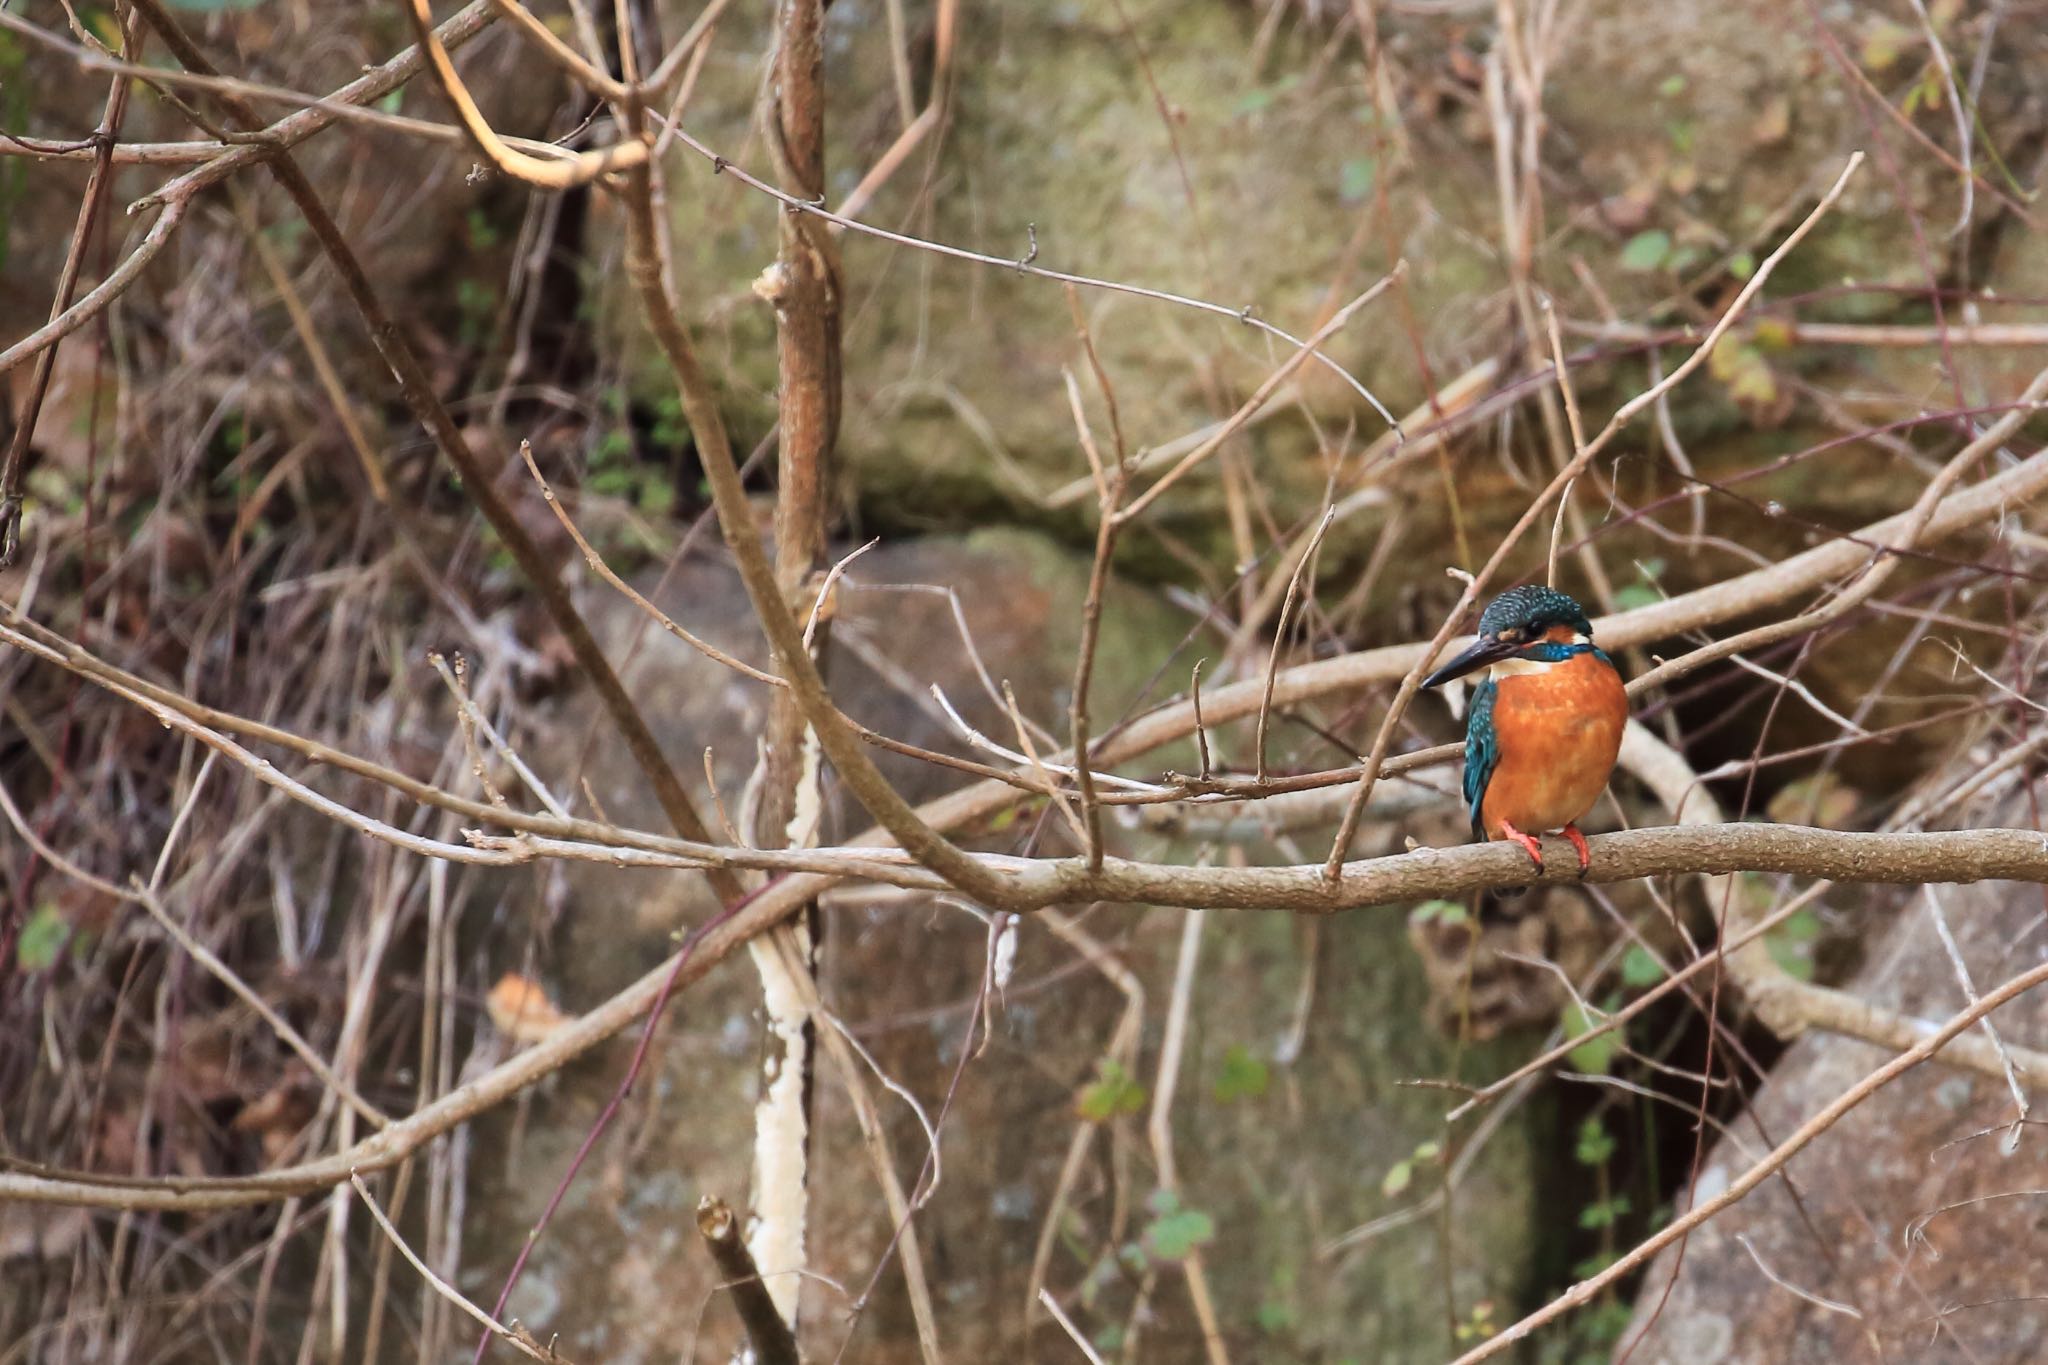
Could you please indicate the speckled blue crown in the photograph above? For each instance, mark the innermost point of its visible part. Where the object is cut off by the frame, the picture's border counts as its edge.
(1532, 604)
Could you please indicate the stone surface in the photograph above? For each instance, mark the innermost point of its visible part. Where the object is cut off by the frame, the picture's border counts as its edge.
(1910, 1219)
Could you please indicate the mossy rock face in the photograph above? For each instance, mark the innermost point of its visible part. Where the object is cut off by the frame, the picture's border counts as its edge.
(1262, 181)
(955, 405)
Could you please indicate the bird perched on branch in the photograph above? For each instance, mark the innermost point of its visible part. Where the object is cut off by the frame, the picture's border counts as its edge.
(1545, 726)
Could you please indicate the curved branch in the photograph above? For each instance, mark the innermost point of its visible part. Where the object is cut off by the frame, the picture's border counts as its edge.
(102, 294)
(578, 168)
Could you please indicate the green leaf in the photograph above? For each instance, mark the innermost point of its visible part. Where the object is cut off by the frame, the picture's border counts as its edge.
(1596, 1054)
(1638, 968)
(1255, 101)
(211, 6)
(613, 482)
(1682, 259)
(1450, 912)
(1402, 1173)
(1113, 1092)
(1176, 1235)
(1672, 86)
(1593, 1265)
(483, 233)
(1742, 265)
(1646, 251)
(1243, 1075)
(1603, 1213)
(1791, 944)
(657, 497)
(1594, 1146)
(1633, 595)
(1355, 178)
(42, 939)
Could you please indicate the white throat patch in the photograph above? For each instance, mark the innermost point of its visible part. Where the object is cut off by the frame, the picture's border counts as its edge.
(1517, 668)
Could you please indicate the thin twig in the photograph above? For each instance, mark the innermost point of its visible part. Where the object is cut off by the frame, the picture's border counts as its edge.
(603, 570)
(520, 1339)
(1059, 1315)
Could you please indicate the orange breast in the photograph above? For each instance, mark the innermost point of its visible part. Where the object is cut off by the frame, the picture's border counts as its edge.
(1558, 734)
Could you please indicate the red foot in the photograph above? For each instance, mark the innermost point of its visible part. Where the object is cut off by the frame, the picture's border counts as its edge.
(1530, 844)
(1571, 832)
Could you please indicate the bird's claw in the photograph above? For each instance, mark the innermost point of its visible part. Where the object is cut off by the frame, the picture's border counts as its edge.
(1529, 842)
(1571, 832)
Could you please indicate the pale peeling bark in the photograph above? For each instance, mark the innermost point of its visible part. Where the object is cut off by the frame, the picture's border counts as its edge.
(776, 1235)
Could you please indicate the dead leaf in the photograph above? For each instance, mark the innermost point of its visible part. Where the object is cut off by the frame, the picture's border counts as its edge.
(1773, 123)
(277, 1117)
(1885, 42)
(1739, 365)
(1823, 799)
(520, 1009)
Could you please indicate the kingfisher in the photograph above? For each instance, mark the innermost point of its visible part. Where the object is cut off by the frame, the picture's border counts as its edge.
(1544, 728)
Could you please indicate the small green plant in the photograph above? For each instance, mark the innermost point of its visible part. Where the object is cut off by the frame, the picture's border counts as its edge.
(483, 233)
(42, 940)
(1447, 913)
(1355, 179)
(1597, 1053)
(1114, 1091)
(1639, 969)
(1600, 1327)
(1176, 1232)
(1646, 251)
(476, 304)
(1401, 1174)
(1645, 590)
(1242, 1076)
(1792, 943)
(1478, 1324)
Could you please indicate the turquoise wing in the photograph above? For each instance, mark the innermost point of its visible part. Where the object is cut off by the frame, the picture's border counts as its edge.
(1482, 752)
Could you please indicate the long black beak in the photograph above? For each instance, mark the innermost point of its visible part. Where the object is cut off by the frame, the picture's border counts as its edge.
(1484, 651)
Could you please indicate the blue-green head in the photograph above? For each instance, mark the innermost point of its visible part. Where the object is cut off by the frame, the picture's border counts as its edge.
(1519, 624)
